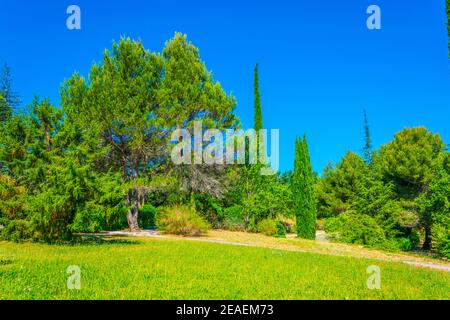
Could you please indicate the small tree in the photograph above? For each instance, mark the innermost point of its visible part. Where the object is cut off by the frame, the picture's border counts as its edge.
(303, 191)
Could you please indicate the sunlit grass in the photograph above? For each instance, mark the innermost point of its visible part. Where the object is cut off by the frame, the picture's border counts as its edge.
(178, 269)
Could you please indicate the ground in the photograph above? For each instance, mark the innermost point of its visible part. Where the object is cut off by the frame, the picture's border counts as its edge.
(224, 265)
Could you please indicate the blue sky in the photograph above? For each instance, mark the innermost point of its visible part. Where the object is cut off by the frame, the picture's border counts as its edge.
(319, 64)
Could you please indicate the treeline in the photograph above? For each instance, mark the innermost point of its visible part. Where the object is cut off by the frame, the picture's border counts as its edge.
(102, 160)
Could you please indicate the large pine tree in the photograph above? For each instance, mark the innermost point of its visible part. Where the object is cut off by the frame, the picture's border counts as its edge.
(303, 191)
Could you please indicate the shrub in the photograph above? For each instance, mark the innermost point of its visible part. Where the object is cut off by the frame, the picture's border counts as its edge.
(267, 227)
(272, 228)
(234, 212)
(233, 224)
(357, 229)
(88, 219)
(281, 230)
(17, 230)
(232, 219)
(442, 240)
(147, 216)
(181, 220)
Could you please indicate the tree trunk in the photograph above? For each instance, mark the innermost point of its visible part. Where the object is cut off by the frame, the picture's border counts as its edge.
(427, 241)
(132, 204)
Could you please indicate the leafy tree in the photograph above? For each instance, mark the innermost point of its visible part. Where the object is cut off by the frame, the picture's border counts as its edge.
(303, 191)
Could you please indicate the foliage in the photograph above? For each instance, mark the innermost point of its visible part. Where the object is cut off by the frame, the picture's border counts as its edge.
(267, 227)
(339, 186)
(181, 220)
(303, 193)
(358, 229)
(401, 194)
(148, 216)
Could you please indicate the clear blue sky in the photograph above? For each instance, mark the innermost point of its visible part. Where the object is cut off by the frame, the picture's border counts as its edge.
(319, 64)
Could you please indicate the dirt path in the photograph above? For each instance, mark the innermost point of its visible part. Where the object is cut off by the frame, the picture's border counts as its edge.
(292, 243)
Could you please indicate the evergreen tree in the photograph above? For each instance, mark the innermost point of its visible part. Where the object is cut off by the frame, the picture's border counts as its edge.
(368, 140)
(258, 117)
(303, 191)
(6, 90)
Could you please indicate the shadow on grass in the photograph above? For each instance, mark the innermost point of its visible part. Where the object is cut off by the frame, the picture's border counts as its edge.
(100, 239)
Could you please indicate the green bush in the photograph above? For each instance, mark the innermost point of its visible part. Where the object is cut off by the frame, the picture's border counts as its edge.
(232, 219)
(442, 241)
(271, 228)
(405, 244)
(234, 212)
(281, 230)
(16, 230)
(88, 220)
(233, 224)
(147, 216)
(181, 220)
(357, 229)
(267, 227)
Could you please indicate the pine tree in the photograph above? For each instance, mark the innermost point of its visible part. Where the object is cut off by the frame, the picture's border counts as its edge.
(6, 90)
(303, 191)
(368, 140)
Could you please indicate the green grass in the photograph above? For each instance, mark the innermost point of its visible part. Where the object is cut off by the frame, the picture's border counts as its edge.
(178, 269)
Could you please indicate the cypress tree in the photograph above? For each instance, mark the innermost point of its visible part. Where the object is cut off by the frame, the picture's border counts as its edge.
(368, 140)
(303, 191)
(258, 117)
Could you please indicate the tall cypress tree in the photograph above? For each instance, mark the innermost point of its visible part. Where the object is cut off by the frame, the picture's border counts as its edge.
(258, 117)
(303, 191)
(368, 140)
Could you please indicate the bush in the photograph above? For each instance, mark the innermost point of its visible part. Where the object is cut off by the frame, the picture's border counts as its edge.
(233, 224)
(357, 229)
(147, 216)
(181, 220)
(281, 230)
(271, 228)
(16, 230)
(232, 219)
(442, 240)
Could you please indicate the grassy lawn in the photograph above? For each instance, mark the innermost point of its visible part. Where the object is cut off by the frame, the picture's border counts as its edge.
(177, 269)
